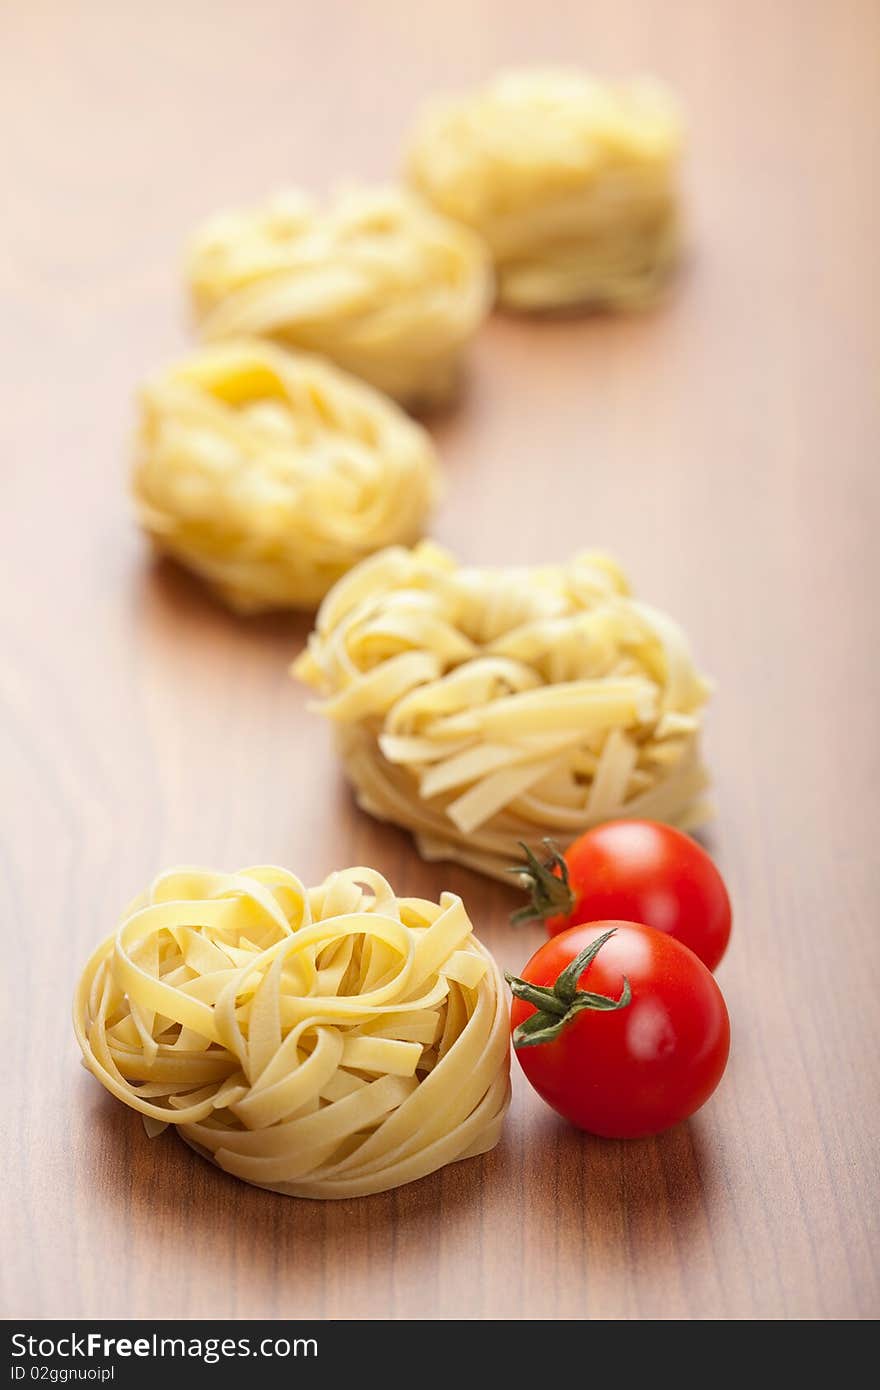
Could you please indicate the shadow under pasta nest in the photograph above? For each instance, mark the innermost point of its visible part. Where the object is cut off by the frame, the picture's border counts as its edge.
(391, 849)
(167, 593)
(162, 1185)
(160, 1181)
(440, 412)
(604, 1203)
(598, 311)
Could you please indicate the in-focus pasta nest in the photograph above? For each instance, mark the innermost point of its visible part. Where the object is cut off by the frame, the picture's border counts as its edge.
(481, 707)
(570, 181)
(323, 1042)
(374, 279)
(271, 473)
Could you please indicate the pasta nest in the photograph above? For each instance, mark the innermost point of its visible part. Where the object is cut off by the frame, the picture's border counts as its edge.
(374, 279)
(570, 181)
(271, 473)
(483, 707)
(322, 1042)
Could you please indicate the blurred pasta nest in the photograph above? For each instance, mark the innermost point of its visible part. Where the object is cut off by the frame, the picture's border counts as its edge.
(570, 181)
(374, 279)
(324, 1042)
(479, 707)
(271, 473)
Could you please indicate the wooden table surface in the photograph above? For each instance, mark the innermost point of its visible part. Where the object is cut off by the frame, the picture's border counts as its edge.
(724, 447)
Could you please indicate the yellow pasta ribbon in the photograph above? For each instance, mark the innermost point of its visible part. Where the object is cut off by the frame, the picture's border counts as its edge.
(480, 707)
(570, 181)
(373, 278)
(270, 473)
(324, 1042)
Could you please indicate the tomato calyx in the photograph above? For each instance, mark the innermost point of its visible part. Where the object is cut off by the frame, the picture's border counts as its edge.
(547, 882)
(559, 1005)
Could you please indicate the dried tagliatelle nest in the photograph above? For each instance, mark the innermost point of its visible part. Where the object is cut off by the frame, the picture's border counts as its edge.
(571, 182)
(373, 278)
(323, 1042)
(482, 707)
(271, 473)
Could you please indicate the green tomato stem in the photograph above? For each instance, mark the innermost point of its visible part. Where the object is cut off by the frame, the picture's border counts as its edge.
(557, 1007)
(547, 883)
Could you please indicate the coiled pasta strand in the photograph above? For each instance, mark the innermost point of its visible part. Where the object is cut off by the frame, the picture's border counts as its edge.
(480, 707)
(373, 278)
(326, 1042)
(271, 473)
(570, 181)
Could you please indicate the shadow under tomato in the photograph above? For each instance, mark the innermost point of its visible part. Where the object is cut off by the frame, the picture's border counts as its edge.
(604, 1218)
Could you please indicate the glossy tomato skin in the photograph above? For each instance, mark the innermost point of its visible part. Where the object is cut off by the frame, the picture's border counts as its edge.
(640, 1069)
(641, 871)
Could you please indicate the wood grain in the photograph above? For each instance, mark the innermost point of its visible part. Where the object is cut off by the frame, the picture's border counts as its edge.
(723, 446)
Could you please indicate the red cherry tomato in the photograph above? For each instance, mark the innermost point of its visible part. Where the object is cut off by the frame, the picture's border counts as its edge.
(637, 871)
(628, 1044)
